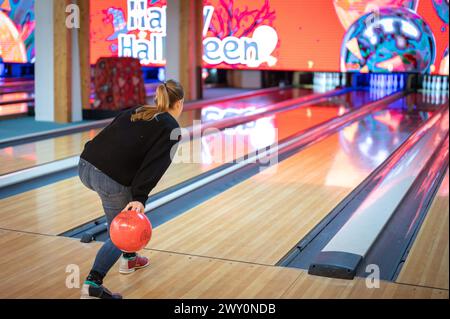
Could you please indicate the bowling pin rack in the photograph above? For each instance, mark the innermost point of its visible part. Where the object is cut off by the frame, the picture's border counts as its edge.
(389, 82)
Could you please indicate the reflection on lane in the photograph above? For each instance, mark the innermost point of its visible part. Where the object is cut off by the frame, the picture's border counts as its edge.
(348, 100)
(239, 107)
(11, 109)
(13, 97)
(218, 147)
(444, 189)
(9, 105)
(365, 144)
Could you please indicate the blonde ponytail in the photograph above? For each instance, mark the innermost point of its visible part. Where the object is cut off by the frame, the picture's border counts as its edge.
(162, 100)
(166, 95)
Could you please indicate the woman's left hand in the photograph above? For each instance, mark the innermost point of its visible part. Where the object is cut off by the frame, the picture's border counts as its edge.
(136, 206)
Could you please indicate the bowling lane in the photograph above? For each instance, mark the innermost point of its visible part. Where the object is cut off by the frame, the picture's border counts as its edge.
(19, 97)
(15, 97)
(39, 211)
(36, 153)
(262, 218)
(14, 109)
(16, 83)
(29, 89)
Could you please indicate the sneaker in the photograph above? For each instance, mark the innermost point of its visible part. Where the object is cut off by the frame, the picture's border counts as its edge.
(97, 292)
(127, 266)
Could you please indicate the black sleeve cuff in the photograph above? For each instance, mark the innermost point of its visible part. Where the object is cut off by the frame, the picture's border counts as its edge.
(141, 199)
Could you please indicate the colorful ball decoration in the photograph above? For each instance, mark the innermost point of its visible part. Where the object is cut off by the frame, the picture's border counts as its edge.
(348, 11)
(12, 48)
(395, 40)
(441, 7)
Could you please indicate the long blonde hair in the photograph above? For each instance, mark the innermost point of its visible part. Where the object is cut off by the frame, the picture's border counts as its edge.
(167, 94)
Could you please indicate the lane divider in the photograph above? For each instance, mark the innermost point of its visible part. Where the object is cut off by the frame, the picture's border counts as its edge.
(343, 254)
(391, 250)
(38, 171)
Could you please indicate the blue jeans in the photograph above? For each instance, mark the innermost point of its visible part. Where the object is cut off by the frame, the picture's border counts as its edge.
(114, 197)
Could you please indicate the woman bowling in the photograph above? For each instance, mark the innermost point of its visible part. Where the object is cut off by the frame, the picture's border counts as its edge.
(122, 164)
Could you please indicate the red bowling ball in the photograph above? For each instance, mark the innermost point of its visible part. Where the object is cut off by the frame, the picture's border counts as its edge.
(130, 231)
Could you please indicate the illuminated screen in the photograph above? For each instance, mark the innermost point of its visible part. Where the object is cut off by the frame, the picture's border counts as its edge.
(307, 35)
(17, 24)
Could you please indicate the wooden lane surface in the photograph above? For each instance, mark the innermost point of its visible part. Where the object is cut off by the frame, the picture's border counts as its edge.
(427, 262)
(169, 275)
(61, 206)
(329, 288)
(264, 217)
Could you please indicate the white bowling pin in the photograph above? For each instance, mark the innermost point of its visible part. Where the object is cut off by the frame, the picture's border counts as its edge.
(389, 81)
(438, 84)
